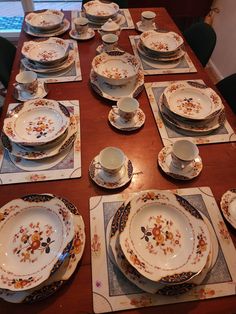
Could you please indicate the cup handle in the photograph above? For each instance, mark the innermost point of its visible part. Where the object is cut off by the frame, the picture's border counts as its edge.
(114, 109)
(17, 86)
(97, 165)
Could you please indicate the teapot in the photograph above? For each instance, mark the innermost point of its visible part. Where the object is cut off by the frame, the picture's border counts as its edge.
(110, 27)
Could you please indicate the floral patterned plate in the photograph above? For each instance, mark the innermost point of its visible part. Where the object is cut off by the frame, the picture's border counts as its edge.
(86, 36)
(61, 30)
(122, 125)
(228, 206)
(188, 173)
(36, 122)
(54, 282)
(42, 152)
(110, 182)
(161, 224)
(112, 92)
(46, 51)
(35, 235)
(46, 20)
(191, 100)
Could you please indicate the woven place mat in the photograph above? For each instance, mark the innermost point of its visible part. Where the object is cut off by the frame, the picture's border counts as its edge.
(184, 66)
(66, 168)
(73, 73)
(113, 292)
(169, 135)
(128, 24)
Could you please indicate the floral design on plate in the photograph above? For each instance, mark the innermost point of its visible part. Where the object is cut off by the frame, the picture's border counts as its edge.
(88, 35)
(55, 32)
(120, 124)
(107, 181)
(189, 172)
(228, 206)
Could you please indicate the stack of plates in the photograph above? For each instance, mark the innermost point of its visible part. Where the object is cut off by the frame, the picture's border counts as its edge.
(99, 12)
(47, 56)
(192, 108)
(161, 243)
(46, 23)
(42, 239)
(38, 130)
(116, 74)
(157, 46)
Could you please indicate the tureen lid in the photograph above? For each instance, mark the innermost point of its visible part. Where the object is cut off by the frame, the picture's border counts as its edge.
(110, 25)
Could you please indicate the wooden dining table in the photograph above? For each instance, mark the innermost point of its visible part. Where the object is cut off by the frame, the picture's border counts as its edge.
(142, 147)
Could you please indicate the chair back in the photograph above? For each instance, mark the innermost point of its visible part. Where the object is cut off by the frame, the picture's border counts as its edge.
(7, 55)
(227, 88)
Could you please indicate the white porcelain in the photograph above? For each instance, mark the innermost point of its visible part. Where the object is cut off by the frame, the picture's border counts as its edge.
(131, 125)
(59, 31)
(62, 274)
(119, 19)
(101, 48)
(142, 28)
(183, 153)
(116, 68)
(111, 160)
(147, 19)
(164, 237)
(161, 42)
(90, 33)
(161, 64)
(192, 101)
(189, 172)
(47, 52)
(110, 27)
(35, 232)
(100, 11)
(127, 108)
(228, 206)
(43, 21)
(81, 25)
(41, 92)
(43, 151)
(109, 42)
(67, 63)
(114, 93)
(36, 122)
(107, 181)
(27, 82)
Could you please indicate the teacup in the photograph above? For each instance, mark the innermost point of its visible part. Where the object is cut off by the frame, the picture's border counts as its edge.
(127, 108)
(109, 42)
(111, 160)
(183, 153)
(81, 25)
(26, 81)
(147, 19)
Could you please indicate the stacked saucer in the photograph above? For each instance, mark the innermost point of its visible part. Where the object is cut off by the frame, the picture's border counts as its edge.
(161, 224)
(46, 23)
(116, 74)
(192, 108)
(161, 47)
(45, 238)
(51, 55)
(39, 131)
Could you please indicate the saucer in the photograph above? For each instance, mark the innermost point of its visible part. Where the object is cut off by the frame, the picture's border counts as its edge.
(42, 91)
(228, 206)
(88, 35)
(189, 172)
(142, 29)
(110, 182)
(120, 124)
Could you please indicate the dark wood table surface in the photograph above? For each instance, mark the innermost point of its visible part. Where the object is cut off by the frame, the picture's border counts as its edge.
(142, 147)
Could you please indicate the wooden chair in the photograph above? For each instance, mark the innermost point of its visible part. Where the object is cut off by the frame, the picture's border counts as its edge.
(227, 89)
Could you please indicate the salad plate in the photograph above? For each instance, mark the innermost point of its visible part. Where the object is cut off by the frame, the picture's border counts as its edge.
(190, 100)
(22, 95)
(189, 172)
(35, 236)
(55, 32)
(123, 125)
(36, 122)
(112, 92)
(43, 151)
(54, 282)
(85, 36)
(46, 20)
(161, 64)
(228, 206)
(107, 181)
(162, 224)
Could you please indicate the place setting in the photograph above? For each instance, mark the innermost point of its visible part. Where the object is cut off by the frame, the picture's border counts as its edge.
(116, 74)
(40, 141)
(46, 23)
(111, 168)
(43, 259)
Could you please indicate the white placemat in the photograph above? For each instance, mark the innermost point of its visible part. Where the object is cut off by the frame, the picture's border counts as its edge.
(128, 21)
(184, 66)
(113, 292)
(68, 167)
(73, 73)
(168, 135)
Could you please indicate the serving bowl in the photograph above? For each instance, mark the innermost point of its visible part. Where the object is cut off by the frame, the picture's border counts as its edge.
(45, 21)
